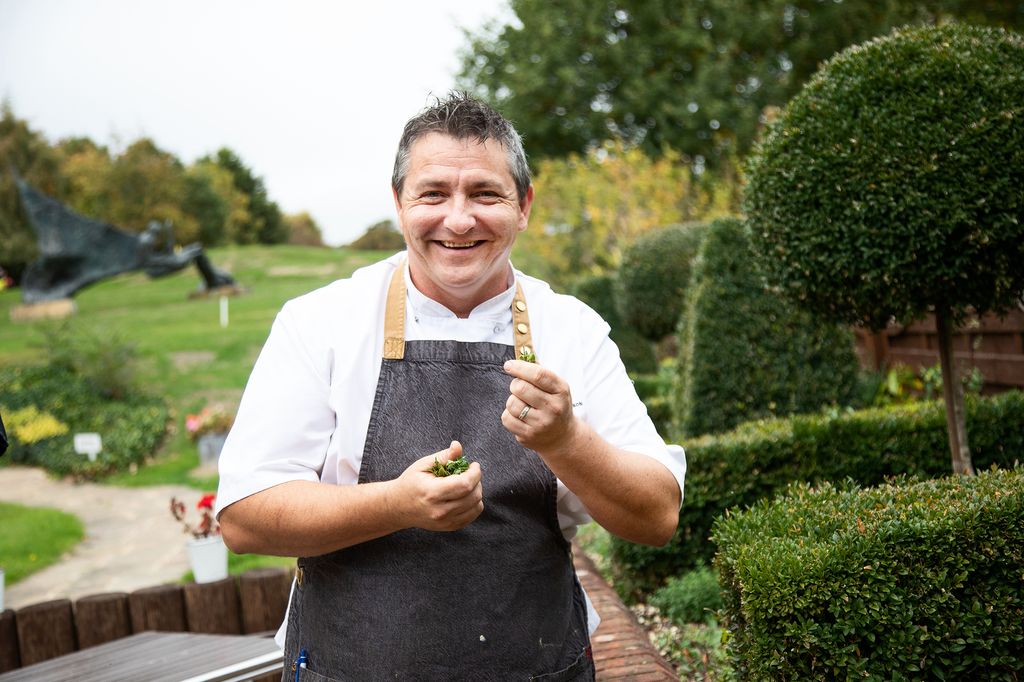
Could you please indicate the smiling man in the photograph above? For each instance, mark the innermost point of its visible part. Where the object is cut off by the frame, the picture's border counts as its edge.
(363, 384)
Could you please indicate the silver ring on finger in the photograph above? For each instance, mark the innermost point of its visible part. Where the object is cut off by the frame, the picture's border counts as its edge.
(522, 415)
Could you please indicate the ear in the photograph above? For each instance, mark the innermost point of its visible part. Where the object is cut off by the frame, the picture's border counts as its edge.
(524, 209)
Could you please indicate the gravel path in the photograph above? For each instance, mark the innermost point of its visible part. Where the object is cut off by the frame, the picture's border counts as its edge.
(131, 541)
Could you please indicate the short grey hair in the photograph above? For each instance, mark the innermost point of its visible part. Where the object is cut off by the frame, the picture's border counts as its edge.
(463, 117)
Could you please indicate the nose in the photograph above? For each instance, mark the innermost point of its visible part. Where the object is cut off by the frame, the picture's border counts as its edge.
(459, 216)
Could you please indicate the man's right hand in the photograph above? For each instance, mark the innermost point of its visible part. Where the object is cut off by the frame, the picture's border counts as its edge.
(438, 503)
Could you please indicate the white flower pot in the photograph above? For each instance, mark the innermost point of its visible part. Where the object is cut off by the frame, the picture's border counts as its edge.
(210, 445)
(209, 558)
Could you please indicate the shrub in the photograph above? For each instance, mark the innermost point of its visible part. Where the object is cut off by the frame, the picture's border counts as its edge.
(131, 428)
(597, 292)
(890, 187)
(655, 270)
(900, 581)
(693, 597)
(107, 362)
(745, 353)
(759, 459)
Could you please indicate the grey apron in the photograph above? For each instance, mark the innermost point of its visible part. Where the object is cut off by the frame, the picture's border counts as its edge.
(496, 600)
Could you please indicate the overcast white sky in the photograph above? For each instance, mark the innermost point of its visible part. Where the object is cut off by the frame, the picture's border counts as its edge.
(312, 95)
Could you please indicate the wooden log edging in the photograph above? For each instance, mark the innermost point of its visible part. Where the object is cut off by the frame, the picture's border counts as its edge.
(255, 602)
(252, 602)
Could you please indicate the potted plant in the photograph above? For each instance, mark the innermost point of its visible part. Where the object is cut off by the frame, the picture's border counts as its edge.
(207, 552)
(208, 429)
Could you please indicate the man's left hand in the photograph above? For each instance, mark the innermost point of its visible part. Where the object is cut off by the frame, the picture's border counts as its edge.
(548, 424)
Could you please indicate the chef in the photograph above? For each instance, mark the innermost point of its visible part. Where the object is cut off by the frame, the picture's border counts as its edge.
(441, 352)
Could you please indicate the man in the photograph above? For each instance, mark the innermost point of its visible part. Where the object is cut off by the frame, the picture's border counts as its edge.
(429, 356)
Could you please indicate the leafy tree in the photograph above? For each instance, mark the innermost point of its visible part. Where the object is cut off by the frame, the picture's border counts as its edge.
(381, 236)
(27, 152)
(890, 187)
(303, 230)
(694, 76)
(589, 208)
(266, 223)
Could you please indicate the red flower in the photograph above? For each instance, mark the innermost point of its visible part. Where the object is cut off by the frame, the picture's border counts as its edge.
(206, 502)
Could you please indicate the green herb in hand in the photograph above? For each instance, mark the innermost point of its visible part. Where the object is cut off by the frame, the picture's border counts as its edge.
(450, 468)
(527, 356)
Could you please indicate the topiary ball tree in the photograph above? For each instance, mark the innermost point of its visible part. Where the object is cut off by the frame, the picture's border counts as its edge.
(655, 269)
(892, 186)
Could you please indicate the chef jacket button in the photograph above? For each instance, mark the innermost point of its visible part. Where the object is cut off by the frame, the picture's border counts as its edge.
(497, 328)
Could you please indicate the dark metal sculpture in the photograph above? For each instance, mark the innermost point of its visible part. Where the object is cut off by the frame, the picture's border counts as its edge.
(75, 251)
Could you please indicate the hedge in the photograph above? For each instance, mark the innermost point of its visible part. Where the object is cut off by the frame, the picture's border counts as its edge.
(653, 275)
(54, 403)
(759, 459)
(597, 291)
(744, 352)
(918, 581)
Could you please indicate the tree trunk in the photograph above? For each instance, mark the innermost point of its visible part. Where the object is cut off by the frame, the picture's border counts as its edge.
(953, 395)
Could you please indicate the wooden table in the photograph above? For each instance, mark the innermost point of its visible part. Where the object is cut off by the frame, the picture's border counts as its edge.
(161, 657)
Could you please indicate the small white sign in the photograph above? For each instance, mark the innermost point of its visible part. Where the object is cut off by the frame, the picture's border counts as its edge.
(88, 444)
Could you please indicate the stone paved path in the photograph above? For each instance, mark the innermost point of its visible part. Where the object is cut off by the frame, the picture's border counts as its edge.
(131, 541)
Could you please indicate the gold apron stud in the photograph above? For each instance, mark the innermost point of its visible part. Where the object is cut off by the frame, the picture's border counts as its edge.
(521, 306)
(522, 328)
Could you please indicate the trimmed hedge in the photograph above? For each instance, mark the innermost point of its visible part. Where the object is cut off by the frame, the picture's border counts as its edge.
(759, 459)
(693, 597)
(746, 353)
(132, 428)
(651, 285)
(902, 581)
(637, 354)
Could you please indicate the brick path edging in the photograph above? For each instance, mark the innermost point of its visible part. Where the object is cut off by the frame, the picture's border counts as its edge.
(621, 648)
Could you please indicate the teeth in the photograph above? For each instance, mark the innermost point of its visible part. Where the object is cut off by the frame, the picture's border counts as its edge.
(459, 245)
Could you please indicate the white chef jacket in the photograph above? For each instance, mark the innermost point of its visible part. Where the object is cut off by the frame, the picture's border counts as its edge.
(306, 408)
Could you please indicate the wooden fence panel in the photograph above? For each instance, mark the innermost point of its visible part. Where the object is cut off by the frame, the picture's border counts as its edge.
(264, 596)
(995, 346)
(9, 658)
(158, 608)
(213, 607)
(100, 618)
(45, 630)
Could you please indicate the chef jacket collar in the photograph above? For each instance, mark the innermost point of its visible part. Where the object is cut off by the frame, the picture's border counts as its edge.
(497, 307)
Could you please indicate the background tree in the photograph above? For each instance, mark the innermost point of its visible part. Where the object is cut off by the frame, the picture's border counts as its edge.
(303, 230)
(381, 236)
(589, 208)
(890, 187)
(689, 76)
(266, 223)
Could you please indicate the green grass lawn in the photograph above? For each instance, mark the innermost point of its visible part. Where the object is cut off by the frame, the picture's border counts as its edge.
(185, 354)
(32, 538)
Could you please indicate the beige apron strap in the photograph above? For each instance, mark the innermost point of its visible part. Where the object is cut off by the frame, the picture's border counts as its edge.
(394, 321)
(521, 327)
(394, 316)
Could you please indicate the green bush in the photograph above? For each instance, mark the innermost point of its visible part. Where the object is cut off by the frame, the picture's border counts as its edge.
(759, 459)
(131, 428)
(744, 352)
(918, 581)
(652, 279)
(891, 184)
(693, 597)
(597, 291)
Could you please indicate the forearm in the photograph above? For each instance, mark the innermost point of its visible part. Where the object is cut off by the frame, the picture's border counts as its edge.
(631, 495)
(305, 518)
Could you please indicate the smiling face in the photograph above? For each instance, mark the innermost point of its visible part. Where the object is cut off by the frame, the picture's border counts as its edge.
(460, 214)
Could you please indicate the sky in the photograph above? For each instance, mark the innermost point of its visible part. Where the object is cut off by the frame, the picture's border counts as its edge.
(311, 95)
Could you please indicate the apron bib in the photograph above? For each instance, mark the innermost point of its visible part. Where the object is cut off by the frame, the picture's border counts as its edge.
(496, 600)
